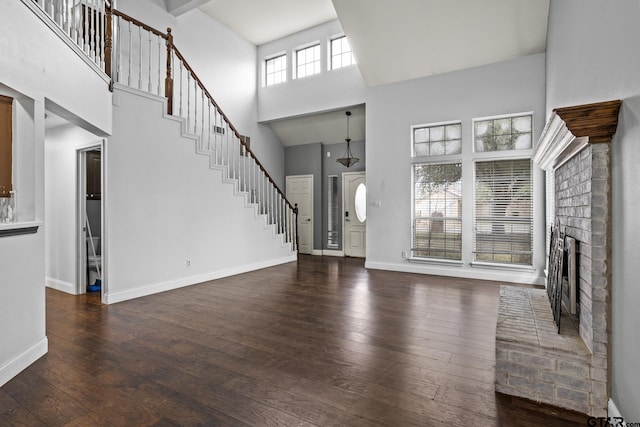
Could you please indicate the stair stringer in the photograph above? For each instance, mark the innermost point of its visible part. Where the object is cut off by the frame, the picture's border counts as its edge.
(196, 139)
(225, 178)
(149, 234)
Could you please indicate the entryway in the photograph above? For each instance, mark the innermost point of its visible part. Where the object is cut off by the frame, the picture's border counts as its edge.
(354, 191)
(90, 224)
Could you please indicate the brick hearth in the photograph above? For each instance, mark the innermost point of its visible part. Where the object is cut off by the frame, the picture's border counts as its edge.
(569, 369)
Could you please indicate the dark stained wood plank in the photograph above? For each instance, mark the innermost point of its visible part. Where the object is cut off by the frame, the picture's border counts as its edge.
(320, 342)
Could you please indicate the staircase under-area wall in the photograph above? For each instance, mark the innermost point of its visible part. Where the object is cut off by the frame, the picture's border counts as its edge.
(173, 218)
(186, 199)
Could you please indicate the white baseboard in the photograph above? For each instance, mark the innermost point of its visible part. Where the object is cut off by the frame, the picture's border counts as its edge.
(23, 361)
(316, 252)
(60, 285)
(111, 298)
(467, 273)
(332, 252)
(612, 410)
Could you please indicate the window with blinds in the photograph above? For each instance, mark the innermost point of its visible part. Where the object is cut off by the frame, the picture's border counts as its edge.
(333, 233)
(503, 212)
(437, 211)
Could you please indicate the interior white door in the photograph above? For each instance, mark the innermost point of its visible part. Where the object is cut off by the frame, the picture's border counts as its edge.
(300, 191)
(354, 190)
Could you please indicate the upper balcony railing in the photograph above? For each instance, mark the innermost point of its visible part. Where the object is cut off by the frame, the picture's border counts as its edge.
(86, 23)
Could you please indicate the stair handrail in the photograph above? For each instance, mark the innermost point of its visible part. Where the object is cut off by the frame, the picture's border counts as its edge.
(168, 36)
(171, 50)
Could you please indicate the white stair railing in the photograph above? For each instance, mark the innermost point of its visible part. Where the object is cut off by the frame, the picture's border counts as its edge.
(86, 23)
(146, 59)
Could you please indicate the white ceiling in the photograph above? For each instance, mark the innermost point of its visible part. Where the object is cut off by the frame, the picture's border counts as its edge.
(406, 39)
(328, 128)
(262, 21)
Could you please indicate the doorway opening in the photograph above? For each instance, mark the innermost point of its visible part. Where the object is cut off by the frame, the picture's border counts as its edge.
(90, 221)
(354, 192)
(299, 189)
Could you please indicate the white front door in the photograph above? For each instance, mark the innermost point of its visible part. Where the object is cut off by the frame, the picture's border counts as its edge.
(300, 191)
(354, 191)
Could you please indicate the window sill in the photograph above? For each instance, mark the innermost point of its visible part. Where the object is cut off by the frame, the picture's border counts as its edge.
(499, 266)
(18, 228)
(448, 262)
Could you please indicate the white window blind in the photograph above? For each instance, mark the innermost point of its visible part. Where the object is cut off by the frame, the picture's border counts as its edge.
(437, 211)
(503, 212)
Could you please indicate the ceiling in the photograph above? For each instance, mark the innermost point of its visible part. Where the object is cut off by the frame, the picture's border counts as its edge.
(262, 21)
(328, 127)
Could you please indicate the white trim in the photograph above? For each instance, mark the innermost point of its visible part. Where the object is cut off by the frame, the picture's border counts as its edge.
(441, 261)
(60, 285)
(65, 38)
(188, 281)
(612, 410)
(443, 270)
(20, 363)
(317, 252)
(332, 252)
(20, 225)
(557, 144)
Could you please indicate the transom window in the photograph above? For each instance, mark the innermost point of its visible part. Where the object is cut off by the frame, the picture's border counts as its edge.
(437, 211)
(276, 70)
(308, 61)
(341, 54)
(505, 133)
(437, 140)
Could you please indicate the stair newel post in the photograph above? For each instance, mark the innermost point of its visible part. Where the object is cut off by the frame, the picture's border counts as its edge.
(168, 82)
(295, 213)
(108, 43)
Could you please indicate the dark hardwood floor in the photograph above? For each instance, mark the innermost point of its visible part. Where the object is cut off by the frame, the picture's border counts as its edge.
(321, 342)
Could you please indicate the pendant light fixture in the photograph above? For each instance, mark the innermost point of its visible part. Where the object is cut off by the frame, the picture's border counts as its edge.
(348, 160)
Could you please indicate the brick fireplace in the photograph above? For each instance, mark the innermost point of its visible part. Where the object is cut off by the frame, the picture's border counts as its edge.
(569, 369)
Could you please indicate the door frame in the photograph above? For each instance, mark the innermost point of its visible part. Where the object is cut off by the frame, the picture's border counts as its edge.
(81, 191)
(312, 216)
(344, 204)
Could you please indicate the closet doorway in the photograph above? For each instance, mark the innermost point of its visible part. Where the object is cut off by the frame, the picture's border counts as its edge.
(90, 221)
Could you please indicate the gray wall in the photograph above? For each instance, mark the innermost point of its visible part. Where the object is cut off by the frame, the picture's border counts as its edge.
(307, 160)
(331, 167)
(312, 159)
(508, 87)
(592, 56)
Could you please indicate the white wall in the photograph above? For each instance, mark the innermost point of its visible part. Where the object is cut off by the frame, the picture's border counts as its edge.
(164, 206)
(509, 87)
(592, 56)
(60, 149)
(226, 63)
(329, 90)
(40, 65)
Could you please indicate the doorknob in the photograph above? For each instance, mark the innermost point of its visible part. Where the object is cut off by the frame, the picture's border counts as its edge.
(308, 219)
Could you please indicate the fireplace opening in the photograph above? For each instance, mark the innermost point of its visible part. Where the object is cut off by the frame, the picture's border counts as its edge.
(570, 283)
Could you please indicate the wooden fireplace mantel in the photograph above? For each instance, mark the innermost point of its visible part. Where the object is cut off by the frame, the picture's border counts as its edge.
(570, 129)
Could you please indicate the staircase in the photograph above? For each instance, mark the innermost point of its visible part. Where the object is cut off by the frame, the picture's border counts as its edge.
(145, 59)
